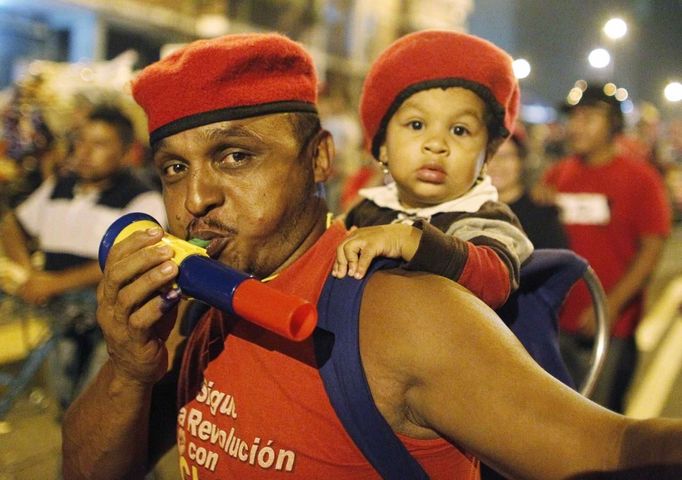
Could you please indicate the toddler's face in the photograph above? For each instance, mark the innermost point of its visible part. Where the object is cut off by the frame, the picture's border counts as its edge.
(435, 145)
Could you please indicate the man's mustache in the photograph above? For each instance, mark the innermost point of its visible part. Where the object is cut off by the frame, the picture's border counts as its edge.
(207, 223)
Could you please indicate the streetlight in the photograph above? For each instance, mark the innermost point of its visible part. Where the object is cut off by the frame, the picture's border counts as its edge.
(673, 92)
(599, 58)
(613, 32)
(615, 28)
(521, 68)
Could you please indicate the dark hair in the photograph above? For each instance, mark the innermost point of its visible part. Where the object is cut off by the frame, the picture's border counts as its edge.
(594, 95)
(616, 120)
(117, 119)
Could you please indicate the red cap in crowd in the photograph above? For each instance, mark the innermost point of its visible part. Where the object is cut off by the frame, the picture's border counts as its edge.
(225, 78)
(432, 59)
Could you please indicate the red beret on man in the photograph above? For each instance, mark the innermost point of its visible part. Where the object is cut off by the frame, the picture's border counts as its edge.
(225, 78)
(432, 59)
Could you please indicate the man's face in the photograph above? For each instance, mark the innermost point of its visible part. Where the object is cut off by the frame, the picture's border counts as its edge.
(589, 129)
(435, 145)
(99, 152)
(245, 185)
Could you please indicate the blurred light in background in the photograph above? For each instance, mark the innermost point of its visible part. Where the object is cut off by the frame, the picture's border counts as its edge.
(599, 58)
(538, 114)
(212, 25)
(627, 107)
(615, 28)
(621, 94)
(673, 92)
(610, 89)
(574, 95)
(521, 68)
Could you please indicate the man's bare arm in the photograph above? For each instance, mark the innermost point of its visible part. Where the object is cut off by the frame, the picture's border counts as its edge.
(106, 430)
(440, 362)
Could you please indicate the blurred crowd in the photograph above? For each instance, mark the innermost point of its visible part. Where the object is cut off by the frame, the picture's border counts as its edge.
(41, 118)
(72, 161)
(39, 121)
(38, 124)
(646, 135)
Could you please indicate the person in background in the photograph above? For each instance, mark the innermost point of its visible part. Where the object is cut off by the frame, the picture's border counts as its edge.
(28, 140)
(66, 218)
(507, 170)
(617, 216)
(239, 163)
(337, 116)
(672, 160)
(433, 126)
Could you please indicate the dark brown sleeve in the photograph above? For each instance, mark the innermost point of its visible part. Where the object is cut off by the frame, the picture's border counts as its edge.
(438, 253)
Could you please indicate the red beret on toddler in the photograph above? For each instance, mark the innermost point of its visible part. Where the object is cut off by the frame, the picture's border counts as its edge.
(225, 78)
(437, 58)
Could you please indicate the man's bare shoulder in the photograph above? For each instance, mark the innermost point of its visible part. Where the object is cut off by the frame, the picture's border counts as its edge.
(420, 330)
(403, 294)
(405, 313)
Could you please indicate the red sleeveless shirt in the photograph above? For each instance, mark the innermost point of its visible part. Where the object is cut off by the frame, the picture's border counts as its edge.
(261, 410)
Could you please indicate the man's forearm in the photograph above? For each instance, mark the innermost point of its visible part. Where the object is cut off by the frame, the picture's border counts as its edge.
(650, 449)
(105, 431)
(653, 442)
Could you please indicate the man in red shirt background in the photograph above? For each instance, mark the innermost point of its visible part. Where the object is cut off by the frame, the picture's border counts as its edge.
(617, 216)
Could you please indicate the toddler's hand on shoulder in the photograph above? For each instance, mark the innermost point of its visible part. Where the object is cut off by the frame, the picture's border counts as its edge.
(355, 254)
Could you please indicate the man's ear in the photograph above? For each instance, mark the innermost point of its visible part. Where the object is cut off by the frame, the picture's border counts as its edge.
(323, 157)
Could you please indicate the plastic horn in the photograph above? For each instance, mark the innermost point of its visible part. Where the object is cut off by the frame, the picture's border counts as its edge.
(220, 286)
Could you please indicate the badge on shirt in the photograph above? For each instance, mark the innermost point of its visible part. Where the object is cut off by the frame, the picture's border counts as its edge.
(584, 208)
